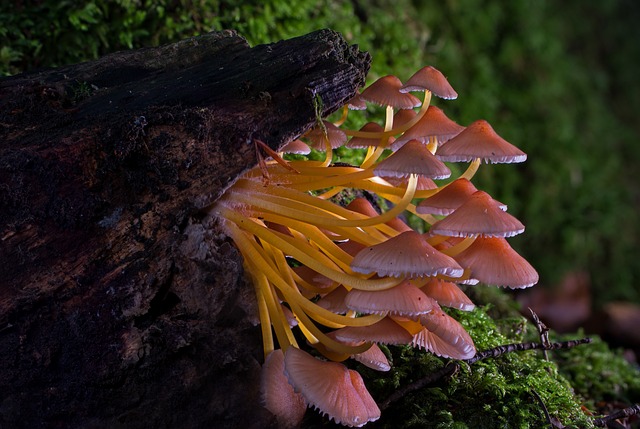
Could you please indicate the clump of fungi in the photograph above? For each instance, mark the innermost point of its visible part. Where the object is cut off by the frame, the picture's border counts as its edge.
(350, 277)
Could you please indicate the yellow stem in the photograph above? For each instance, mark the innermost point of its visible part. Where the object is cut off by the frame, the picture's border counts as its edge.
(324, 339)
(471, 170)
(330, 193)
(278, 320)
(345, 113)
(460, 247)
(356, 234)
(302, 211)
(308, 257)
(265, 321)
(329, 152)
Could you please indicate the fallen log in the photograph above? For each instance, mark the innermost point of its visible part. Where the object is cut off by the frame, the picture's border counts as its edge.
(119, 306)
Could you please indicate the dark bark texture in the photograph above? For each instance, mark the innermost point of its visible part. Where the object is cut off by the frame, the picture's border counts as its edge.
(121, 306)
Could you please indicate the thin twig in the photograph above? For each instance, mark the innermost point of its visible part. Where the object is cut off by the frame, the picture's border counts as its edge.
(544, 408)
(542, 330)
(627, 412)
(500, 350)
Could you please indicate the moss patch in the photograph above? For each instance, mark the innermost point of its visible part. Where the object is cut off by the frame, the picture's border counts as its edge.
(495, 392)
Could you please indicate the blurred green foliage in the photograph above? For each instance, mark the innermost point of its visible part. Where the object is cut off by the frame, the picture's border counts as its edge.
(558, 79)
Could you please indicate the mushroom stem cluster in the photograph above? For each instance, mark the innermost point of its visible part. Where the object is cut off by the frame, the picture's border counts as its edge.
(344, 278)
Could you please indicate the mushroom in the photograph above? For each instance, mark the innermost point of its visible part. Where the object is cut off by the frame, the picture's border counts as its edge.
(385, 331)
(404, 300)
(447, 294)
(407, 254)
(479, 140)
(430, 79)
(278, 395)
(386, 92)
(450, 331)
(433, 125)
(478, 215)
(412, 158)
(331, 387)
(492, 261)
(448, 198)
(296, 147)
(326, 135)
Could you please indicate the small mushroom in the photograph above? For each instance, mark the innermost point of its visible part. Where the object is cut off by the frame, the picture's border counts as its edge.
(479, 140)
(385, 331)
(492, 261)
(385, 92)
(407, 254)
(449, 330)
(331, 387)
(296, 147)
(430, 79)
(480, 214)
(412, 158)
(447, 294)
(327, 134)
(434, 124)
(449, 198)
(404, 300)
(278, 395)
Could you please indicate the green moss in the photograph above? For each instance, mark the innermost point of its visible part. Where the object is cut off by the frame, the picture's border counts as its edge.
(599, 374)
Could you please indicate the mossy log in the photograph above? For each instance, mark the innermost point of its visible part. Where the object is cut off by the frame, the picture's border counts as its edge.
(119, 307)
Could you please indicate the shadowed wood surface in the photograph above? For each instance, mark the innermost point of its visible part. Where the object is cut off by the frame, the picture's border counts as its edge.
(119, 306)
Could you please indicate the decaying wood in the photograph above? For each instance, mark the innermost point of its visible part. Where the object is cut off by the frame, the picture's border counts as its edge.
(118, 306)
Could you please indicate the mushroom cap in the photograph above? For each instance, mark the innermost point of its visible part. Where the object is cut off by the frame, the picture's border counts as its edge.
(365, 142)
(363, 206)
(331, 387)
(357, 103)
(436, 345)
(479, 140)
(430, 79)
(407, 254)
(373, 358)
(450, 331)
(403, 116)
(351, 247)
(479, 215)
(434, 123)
(492, 261)
(297, 147)
(385, 92)
(334, 301)
(449, 198)
(447, 294)
(404, 299)
(412, 158)
(385, 331)
(316, 136)
(278, 395)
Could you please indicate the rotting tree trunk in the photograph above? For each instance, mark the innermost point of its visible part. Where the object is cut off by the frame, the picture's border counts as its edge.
(118, 306)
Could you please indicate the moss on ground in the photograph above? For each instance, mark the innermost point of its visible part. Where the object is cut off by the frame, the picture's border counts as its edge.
(492, 393)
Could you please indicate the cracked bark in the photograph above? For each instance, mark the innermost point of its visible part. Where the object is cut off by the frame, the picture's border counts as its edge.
(119, 306)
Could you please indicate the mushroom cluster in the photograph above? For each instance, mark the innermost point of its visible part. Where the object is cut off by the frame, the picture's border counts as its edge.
(348, 277)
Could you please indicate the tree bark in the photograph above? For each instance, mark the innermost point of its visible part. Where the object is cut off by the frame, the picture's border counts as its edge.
(120, 306)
